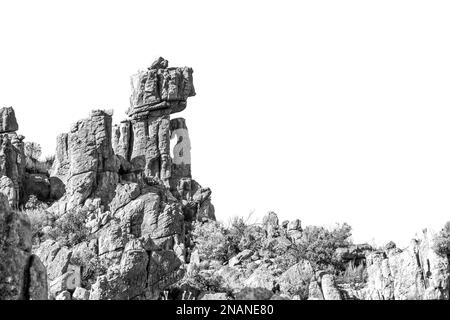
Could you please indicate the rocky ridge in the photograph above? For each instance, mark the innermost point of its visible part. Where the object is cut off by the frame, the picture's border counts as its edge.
(136, 201)
(414, 273)
(118, 209)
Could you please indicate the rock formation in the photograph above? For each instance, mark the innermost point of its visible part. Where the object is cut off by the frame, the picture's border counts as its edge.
(140, 201)
(125, 196)
(414, 273)
(22, 274)
(12, 158)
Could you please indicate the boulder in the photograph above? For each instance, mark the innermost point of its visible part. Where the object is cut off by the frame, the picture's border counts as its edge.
(294, 225)
(160, 89)
(315, 291)
(270, 223)
(237, 259)
(22, 275)
(296, 278)
(414, 273)
(329, 288)
(66, 282)
(64, 295)
(80, 294)
(8, 122)
(260, 278)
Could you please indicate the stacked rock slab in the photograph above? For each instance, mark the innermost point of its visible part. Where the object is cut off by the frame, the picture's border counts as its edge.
(121, 176)
(22, 274)
(85, 163)
(12, 159)
(144, 140)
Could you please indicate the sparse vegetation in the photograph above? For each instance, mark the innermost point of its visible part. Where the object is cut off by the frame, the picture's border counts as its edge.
(353, 274)
(210, 240)
(91, 267)
(70, 229)
(442, 241)
(39, 219)
(318, 244)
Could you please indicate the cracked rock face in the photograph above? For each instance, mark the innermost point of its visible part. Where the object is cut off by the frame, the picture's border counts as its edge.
(12, 167)
(160, 90)
(140, 200)
(22, 274)
(85, 161)
(8, 122)
(415, 273)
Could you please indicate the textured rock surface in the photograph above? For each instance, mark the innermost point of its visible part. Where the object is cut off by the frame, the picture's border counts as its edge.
(160, 88)
(214, 296)
(92, 167)
(12, 166)
(80, 294)
(414, 273)
(315, 291)
(121, 176)
(329, 288)
(296, 277)
(8, 122)
(22, 275)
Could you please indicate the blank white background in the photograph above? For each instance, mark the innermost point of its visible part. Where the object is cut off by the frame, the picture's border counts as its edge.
(326, 111)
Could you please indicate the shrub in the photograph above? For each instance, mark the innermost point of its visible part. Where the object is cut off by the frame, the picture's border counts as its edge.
(207, 282)
(70, 229)
(441, 243)
(91, 267)
(318, 244)
(34, 203)
(287, 259)
(210, 240)
(32, 150)
(354, 274)
(244, 236)
(39, 219)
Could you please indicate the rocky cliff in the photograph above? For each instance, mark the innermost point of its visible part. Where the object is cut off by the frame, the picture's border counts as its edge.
(135, 201)
(285, 261)
(117, 215)
(22, 274)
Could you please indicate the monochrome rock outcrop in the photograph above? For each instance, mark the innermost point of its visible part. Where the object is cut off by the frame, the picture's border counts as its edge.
(139, 200)
(8, 122)
(118, 215)
(12, 158)
(414, 273)
(22, 274)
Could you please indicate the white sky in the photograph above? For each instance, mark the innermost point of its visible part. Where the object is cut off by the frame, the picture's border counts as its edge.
(326, 111)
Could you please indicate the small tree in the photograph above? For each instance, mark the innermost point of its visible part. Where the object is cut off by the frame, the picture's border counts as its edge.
(441, 243)
(318, 244)
(210, 240)
(70, 229)
(91, 267)
(32, 150)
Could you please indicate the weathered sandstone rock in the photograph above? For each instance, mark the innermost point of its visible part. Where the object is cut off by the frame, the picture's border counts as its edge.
(296, 277)
(160, 88)
(121, 177)
(12, 166)
(8, 122)
(329, 288)
(414, 273)
(22, 275)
